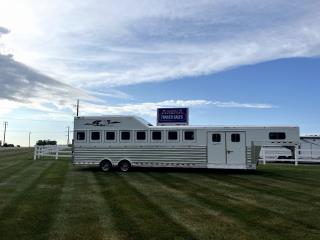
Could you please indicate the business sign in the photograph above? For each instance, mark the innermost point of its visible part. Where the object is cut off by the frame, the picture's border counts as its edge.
(172, 116)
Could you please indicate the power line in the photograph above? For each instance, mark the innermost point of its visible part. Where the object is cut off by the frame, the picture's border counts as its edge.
(68, 135)
(77, 107)
(29, 138)
(5, 130)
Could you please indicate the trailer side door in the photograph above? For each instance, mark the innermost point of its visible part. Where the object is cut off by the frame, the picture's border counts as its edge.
(236, 148)
(217, 148)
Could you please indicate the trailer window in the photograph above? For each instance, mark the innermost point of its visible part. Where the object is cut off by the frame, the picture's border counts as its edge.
(141, 135)
(156, 135)
(125, 136)
(235, 137)
(95, 136)
(81, 136)
(277, 135)
(189, 135)
(110, 136)
(172, 135)
(216, 137)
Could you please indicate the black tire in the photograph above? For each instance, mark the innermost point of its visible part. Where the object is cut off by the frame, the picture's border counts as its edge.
(124, 166)
(105, 166)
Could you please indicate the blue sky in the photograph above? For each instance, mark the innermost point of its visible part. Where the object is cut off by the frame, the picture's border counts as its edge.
(232, 62)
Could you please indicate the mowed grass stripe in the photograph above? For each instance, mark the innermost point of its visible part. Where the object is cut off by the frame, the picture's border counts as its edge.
(246, 195)
(305, 177)
(243, 196)
(8, 153)
(262, 179)
(103, 210)
(13, 169)
(6, 162)
(18, 165)
(274, 202)
(30, 215)
(16, 184)
(268, 187)
(81, 213)
(302, 174)
(266, 224)
(287, 198)
(202, 222)
(212, 203)
(5, 165)
(7, 157)
(134, 215)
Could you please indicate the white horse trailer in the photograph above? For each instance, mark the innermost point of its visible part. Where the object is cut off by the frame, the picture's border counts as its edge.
(129, 141)
(310, 147)
(309, 151)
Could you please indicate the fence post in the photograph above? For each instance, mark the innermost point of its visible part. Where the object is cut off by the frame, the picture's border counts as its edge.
(57, 152)
(35, 153)
(264, 156)
(296, 156)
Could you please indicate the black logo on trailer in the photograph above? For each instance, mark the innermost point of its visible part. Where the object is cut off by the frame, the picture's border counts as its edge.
(102, 123)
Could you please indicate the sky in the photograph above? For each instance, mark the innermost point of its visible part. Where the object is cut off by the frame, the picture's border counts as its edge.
(235, 62)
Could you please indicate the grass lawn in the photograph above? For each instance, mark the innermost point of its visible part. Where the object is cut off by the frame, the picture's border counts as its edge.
(48, 199)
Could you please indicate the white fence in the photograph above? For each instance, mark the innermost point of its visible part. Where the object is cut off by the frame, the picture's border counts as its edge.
(301, 156)
(55, 151)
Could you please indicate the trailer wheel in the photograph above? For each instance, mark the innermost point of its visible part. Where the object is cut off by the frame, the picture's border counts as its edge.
(105, 166)
(124, 166)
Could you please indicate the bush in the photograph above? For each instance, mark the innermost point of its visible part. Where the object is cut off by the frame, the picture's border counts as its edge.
(7, 145)
(46, 142)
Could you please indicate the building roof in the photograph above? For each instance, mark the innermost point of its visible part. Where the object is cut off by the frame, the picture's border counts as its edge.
(310, 137)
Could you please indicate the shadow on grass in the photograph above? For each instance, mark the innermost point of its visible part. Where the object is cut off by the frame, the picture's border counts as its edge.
(174, 170)
(277, 171)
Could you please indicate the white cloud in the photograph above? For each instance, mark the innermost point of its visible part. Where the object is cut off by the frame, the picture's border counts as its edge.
(25, 86)
(149, 108)
(145, 109)
(22, 86)
(8, 106)
(127, 42)
(98, 45)
(3, 30)
(233, 104)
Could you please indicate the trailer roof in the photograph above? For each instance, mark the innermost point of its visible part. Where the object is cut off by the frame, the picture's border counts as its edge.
(223, 126)
(143, 121)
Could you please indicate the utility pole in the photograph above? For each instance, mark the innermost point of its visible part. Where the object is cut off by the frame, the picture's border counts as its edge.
(77, 107)
(68, 134)
(29, 138)
(5, 129)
